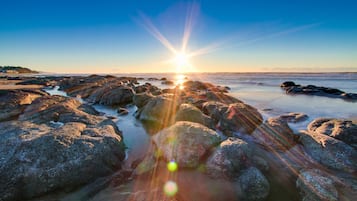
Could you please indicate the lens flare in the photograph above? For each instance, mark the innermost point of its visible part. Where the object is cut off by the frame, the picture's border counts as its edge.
(172, 166)
(170, 188)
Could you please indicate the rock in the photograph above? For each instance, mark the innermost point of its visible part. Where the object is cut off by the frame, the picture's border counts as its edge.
(153, 79)
(57, 108)
(253, 186)
(229, 159)
(344, 130)
(214, 109)
(260, 163)
(160, 109)
(168, 82)
(117, 96)
(294, 117)
(38, 159)
(329, 151)
(288, 84)
(13, 102)
(147, 165)
(187, 112)
(147, 87)
(122, 111)
(140, 99)
(275, 134)
(240, 117)
(36, 81)
(185, 143)
(292, 88)
(220, 97)
(197, 85)
(316, 185)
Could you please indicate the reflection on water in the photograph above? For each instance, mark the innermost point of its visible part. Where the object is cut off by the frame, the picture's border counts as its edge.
(135, 136)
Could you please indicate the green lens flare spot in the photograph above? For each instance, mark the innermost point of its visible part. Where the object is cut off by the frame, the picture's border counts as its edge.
(170, 188)
(172, 166)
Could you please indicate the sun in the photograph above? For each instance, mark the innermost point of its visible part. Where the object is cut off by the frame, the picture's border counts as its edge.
(182, 62)
(181, 59)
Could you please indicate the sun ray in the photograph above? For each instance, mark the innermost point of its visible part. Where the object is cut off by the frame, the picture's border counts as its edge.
(150, 27)
(190, 19)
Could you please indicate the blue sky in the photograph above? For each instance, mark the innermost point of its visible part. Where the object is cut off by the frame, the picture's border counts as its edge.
(110, 36)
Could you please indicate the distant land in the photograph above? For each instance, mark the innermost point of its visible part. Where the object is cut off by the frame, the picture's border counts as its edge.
(15, 70)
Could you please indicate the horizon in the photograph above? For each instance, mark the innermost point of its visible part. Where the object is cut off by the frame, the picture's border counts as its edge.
(179, 36)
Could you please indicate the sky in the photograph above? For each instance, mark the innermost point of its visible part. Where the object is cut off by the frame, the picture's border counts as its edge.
(141, 36)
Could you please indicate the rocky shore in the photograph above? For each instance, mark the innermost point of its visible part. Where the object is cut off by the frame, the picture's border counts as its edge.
(51, 143)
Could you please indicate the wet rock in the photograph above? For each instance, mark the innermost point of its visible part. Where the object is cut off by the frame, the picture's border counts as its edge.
(160, 109)
(168, 82)
(275, 134)
(344, 130)
(122, 111)
(329, 151)
(187, 112)
(316, 185)
(38, 159)
(287, 84)
(185, 143)
(13, 102)
(57, 108)
(240, 117)
(294, 117)
(292, 88)
(253, 186)
(140, 99)
(229, 159)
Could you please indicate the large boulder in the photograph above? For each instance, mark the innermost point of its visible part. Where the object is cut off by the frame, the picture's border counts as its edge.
(188, 112)
(58, 109)
(229, 159)
(214, 109)
(316, 185)
(160, 109)
(186, 143)
(240, 117)
(329, 151)
(13, 102)
(38, 159)
(140, 99)
(118, 96)
(252, 185)
(344, 130)
(275, 134)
